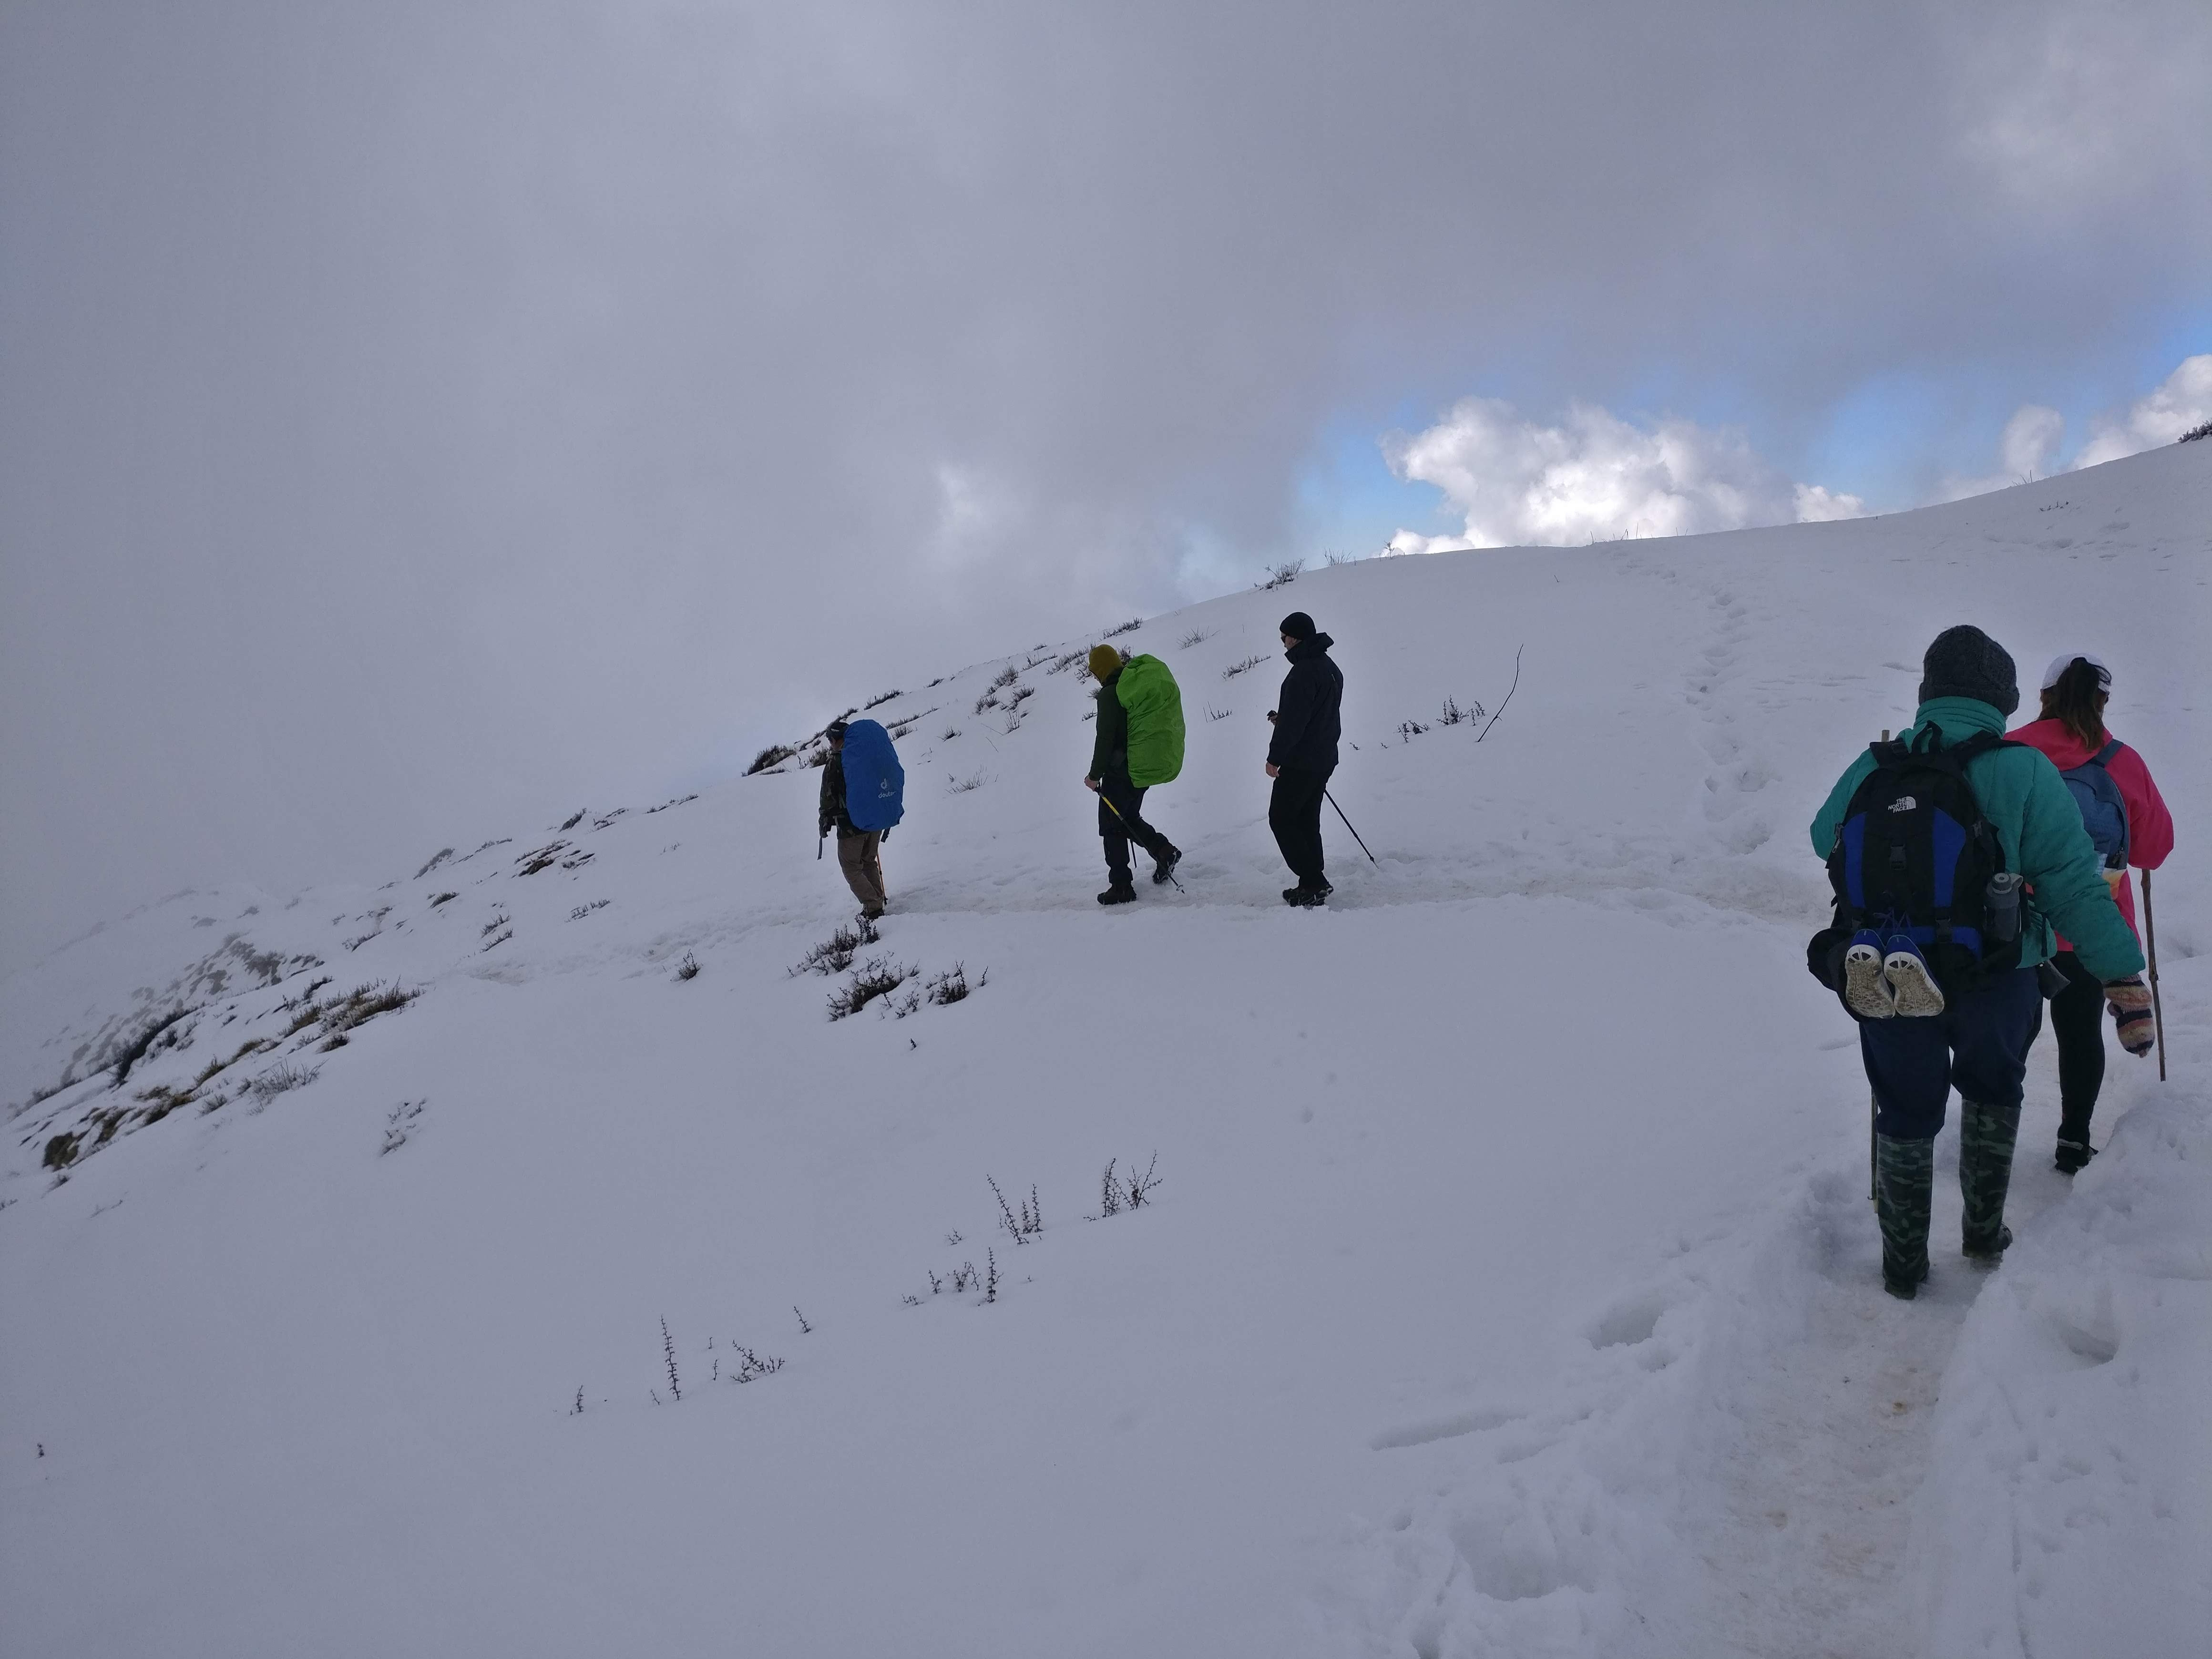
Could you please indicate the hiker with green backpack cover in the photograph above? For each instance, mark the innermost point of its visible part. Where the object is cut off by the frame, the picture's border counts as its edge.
(1953, 853)
(1139, 746)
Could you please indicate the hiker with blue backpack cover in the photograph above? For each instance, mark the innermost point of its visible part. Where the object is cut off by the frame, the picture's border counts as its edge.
(2128, 824)
(1951, 853)
(863, 797)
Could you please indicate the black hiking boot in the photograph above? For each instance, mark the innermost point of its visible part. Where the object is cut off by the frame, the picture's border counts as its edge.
(1120, 893)
(1985, 1141)
(2072, 1155)
(1306, 897)
(1164, 865)
(1904, 1193)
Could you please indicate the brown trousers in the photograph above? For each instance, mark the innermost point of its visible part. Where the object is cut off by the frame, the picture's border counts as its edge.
(864, 870)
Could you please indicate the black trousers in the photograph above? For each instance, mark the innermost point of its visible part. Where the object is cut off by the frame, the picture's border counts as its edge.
(1294, 814)
(1121, 821)
(2077, 1015)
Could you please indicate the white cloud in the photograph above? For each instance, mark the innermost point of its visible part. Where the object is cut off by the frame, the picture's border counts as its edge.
(2029, 447)
(2181, 404)
(1595, 478)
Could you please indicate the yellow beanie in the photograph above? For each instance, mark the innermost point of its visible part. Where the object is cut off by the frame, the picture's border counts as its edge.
(1104, 660)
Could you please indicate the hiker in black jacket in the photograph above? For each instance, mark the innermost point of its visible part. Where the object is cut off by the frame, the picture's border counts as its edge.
(1303, 753)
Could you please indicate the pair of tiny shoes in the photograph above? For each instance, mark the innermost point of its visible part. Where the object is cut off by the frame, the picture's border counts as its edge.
(1886, 978)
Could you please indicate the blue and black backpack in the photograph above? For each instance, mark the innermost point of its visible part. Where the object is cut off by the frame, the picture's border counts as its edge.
(875, 782)
(2104, 814)
(1914, 856)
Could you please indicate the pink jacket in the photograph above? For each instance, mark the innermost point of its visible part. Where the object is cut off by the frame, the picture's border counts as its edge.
(2150, 826)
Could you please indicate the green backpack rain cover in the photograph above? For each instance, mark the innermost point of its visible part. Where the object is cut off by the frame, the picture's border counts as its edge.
(1149, 693)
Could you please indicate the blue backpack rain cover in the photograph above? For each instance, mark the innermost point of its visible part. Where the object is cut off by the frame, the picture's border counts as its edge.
(2104, 814)
(875, 782)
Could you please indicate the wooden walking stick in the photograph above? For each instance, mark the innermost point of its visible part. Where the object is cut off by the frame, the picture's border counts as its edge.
(2150, 950)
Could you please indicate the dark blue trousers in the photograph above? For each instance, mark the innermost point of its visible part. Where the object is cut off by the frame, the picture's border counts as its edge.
(1978, 1044)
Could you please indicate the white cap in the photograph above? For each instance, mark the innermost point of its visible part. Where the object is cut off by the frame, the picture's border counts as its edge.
(2061, 664)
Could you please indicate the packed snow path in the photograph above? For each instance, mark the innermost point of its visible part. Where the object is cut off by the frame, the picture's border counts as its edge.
(1509, 1287)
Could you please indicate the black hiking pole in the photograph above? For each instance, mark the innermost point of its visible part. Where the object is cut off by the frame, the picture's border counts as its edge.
(2150, 945)
(1371, 859)
(1873, 1120)
(1117, 812)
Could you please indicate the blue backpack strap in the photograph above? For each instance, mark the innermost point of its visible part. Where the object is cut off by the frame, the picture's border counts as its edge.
(2103, 757)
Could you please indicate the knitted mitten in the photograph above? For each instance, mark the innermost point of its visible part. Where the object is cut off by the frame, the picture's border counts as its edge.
(2130, 1001)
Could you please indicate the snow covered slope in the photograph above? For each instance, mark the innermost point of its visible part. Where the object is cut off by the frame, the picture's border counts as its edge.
(1509, 1284)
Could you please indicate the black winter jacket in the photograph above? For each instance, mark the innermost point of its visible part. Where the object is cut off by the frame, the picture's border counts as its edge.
(1306, 723)
(832, 815)
(1109, 750)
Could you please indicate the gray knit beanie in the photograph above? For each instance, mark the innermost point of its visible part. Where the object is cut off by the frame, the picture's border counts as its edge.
(1965, 662)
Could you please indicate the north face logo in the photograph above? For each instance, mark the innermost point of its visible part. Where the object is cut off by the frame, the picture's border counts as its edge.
(1903, 804)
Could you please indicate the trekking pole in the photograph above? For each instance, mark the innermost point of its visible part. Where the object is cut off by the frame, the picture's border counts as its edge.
(1371, 859)
(1873, 1120)
(1117, 812)
(2150, 945)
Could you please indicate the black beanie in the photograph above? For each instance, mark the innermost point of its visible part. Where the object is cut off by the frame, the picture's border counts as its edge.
(1298, 625)
(1965, 662)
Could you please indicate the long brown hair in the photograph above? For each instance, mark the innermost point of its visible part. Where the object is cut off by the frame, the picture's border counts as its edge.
(2077, 703)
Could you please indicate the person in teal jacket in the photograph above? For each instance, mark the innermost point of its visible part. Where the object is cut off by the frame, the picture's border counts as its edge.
(1980, 1038)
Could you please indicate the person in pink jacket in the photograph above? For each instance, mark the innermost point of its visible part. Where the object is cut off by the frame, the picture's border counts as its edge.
(2071, 732)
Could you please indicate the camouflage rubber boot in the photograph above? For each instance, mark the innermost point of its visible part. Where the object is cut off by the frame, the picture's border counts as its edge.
(1985, 1138)
(1905, 1189)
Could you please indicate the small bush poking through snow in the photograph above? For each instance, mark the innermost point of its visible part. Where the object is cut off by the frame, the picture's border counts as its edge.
(398, 1125)
(749, 1366)
(882, 698)
(1237, 668)
(1066, 661)
(2195, 433)
(774, 755)
(1025, 1224)
(835, 954)
(1128, 627)
(1282, 576)
(689, 967)
(668, 1354)
(1128, 1192)
(962, 785)
(281, 1078)
(1006, 678)
(951, 986)
(877, 977)
(1196, 636)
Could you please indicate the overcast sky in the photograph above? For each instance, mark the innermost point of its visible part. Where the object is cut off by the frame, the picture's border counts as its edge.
(417, 421)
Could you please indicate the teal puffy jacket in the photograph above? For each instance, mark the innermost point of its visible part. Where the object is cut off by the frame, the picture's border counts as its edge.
(2039, 831)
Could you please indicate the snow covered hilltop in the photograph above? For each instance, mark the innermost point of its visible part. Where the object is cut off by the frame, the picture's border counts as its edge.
(380, 1266)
